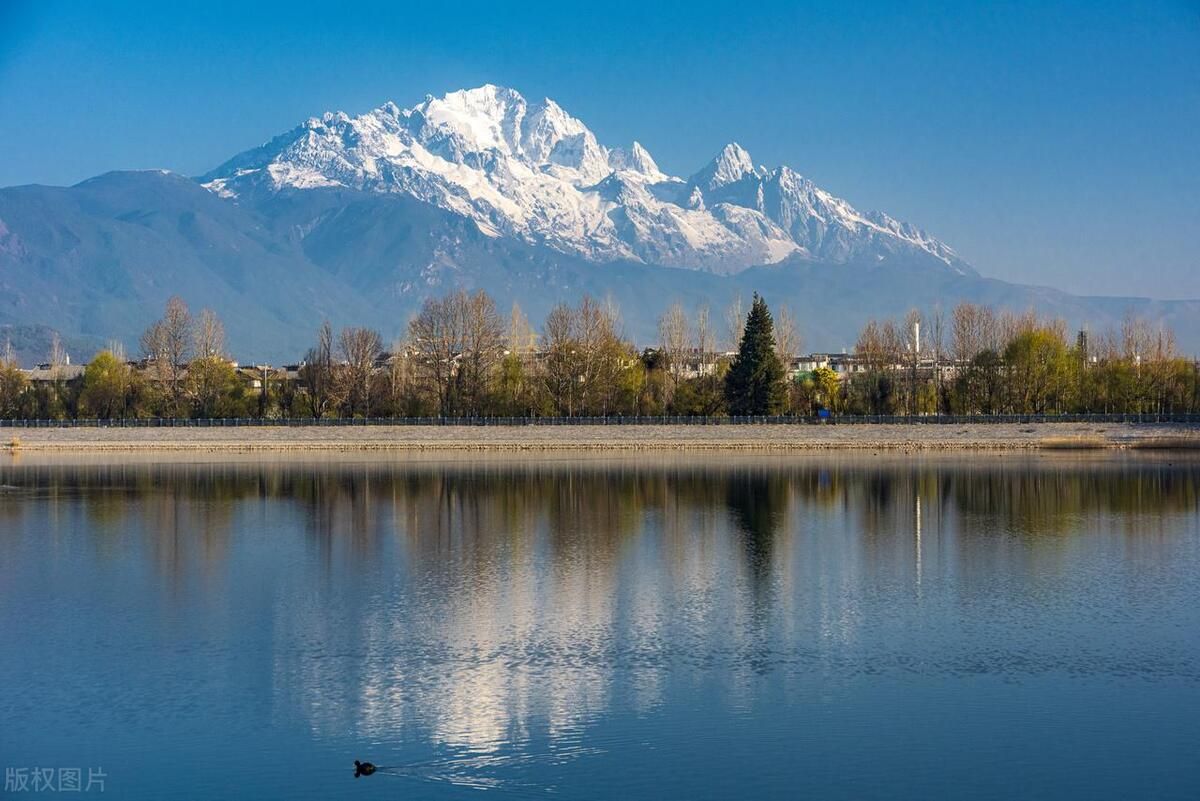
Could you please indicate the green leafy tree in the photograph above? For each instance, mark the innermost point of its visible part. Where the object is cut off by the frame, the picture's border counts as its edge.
(1039, 367)
(702, 396)
(754, 384)
(979, 388)
(214, 389)
(13, 389)
(105, 389)
(656, 388)
(828, 388)
(514, 394)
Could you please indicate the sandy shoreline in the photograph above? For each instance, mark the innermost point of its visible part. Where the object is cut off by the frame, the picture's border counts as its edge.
(732, 438)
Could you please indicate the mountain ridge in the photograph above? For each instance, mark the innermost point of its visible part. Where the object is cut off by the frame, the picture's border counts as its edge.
(530, 170)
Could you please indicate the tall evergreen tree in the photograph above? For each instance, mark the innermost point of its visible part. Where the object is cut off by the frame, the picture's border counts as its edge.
(754, 384)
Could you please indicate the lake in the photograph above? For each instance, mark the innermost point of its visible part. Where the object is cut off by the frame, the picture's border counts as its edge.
(693, 627)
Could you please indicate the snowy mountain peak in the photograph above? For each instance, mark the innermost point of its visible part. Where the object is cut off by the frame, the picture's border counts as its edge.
(484, 103)
(532, 171)
(470, 120)
(636, 159)
(731, 165)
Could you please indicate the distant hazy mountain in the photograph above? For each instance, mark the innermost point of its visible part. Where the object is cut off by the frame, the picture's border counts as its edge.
(359, 219)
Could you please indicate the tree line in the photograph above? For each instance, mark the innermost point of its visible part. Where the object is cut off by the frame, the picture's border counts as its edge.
(461, 357)
(978, 360)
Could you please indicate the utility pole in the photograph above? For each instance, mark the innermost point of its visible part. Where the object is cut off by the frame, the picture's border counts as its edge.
(916, 361)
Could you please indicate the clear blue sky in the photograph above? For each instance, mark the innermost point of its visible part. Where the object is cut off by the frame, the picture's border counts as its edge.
(1049, 143)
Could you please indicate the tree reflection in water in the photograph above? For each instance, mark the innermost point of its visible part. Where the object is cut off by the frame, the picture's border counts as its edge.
(481, 602)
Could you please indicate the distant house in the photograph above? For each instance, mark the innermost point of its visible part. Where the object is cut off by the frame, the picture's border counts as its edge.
(291, 372)
(697, 363)
(49, 373)
(253, 375)
(803, 365)
(844, 364)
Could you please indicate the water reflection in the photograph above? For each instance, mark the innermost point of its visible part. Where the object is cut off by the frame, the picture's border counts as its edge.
(480, 605)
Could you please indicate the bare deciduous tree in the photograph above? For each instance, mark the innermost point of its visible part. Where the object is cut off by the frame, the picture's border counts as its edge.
(522, 339)
(787, 336)
(359, 348)
(601, 351)
(482, 348)
(673, 343)
(735, 321)
(397, 382)
(434, 338)
(584, 358)
(878, 350)
(319, 374)
(706, 340)
(561, 373)
(706, 344)
(210, 336)
(458, 340)
(167, 343)
(975, 329)
(1137, 339)
(59, 357)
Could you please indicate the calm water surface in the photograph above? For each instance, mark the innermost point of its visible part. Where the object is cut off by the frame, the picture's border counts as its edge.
(997, 627)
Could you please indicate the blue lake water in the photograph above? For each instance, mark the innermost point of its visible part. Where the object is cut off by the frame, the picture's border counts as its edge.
(693, 628)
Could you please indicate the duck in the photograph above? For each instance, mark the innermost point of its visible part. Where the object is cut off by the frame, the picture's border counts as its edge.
(363, 768)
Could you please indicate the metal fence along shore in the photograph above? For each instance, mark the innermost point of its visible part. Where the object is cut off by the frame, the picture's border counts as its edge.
(303, 422)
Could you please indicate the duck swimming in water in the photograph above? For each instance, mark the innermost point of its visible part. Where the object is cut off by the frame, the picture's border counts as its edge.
(363, 768)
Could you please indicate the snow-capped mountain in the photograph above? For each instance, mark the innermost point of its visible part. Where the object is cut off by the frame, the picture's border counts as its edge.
(531, 171)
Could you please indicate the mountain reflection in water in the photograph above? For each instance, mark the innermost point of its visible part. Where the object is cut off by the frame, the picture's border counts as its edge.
(491, 610)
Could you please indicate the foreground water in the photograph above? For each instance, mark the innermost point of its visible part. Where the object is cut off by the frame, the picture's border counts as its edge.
(996, 627)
